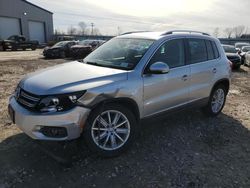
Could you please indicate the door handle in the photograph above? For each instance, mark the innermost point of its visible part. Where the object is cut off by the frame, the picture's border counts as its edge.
(214, 70)
(184, 77)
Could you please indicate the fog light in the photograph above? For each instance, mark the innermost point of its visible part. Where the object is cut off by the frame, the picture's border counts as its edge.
(54, 132)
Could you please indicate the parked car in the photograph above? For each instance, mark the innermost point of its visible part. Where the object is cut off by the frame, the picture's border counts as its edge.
(59, 38)
(247, 59)
(59, 50)
(244, 50)
(129, 78)
(239, 45)
(233, 56)
(16, 42)
(85, 47)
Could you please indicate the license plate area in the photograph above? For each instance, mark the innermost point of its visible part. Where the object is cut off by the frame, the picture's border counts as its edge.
(11, 113)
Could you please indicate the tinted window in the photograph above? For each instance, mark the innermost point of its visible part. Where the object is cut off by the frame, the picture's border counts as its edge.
(197, 50)
(215, 49)
(210, 52)
(172, 53)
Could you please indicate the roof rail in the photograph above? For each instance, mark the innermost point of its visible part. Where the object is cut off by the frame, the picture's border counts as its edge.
(130, 32)
(184, 31)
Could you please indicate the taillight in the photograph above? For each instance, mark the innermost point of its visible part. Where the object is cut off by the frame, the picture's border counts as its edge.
(231, 64)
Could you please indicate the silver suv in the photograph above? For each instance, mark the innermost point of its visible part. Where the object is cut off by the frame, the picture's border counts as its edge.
(131, 77)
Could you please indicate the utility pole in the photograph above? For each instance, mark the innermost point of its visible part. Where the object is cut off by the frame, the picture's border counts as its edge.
(92, 28)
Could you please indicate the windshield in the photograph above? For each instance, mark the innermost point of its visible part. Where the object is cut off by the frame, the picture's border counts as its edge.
(60, 44)
(246, 49)
(121, 53)
(85, 42)
(229, 49)
(240, 45)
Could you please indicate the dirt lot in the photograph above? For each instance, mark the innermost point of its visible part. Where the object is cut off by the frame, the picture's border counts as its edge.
(180, 150)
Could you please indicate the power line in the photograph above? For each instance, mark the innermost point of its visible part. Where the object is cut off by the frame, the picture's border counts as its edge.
(106, 18)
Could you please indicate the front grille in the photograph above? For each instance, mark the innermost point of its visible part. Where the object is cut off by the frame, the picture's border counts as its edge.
(27, 100)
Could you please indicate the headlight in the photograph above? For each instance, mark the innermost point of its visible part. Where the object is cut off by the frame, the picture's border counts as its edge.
(59, 103)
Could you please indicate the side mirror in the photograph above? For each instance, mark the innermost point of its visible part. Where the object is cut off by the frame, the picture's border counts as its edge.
(158, 68)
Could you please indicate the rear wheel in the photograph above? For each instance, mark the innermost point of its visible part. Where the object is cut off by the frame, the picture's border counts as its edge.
(216, 101)
(13, 48)
(110, 130)
(33, 48)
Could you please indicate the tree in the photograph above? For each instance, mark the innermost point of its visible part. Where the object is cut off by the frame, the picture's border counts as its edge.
(72, 30)
(228, 31)
(239, 30)
(96, 31)
(82, 26)
(216, 32)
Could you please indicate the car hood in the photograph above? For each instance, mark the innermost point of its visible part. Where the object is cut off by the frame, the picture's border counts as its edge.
(7, 40)
(70, 77)
(81, 46)
(50, 49)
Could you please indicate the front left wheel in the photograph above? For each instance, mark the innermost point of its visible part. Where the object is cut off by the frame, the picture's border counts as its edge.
(110, 130)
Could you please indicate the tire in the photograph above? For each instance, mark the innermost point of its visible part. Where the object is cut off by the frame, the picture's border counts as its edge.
(14, 48)
(105, 142)
(24, 49)
(33, 48)
(210, 109)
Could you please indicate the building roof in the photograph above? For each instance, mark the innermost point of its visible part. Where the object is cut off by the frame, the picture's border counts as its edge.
(37, 6)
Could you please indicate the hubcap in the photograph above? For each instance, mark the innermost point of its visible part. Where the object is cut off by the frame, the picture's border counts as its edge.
(110, 130)
(218, 100)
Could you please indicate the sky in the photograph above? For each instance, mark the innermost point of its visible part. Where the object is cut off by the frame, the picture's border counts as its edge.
(112, 17)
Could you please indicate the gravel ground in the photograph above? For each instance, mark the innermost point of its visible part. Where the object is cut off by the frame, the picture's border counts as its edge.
(185, 149)
(17, 55)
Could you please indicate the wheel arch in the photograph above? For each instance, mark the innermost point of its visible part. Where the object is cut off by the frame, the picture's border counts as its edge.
(126, 102)
(225, 82)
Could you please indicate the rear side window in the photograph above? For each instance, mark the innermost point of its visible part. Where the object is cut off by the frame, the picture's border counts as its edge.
(210, 51)
(197, 50)
(215, 49)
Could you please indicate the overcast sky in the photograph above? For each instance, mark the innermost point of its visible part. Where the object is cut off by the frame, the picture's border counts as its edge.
(113, 16)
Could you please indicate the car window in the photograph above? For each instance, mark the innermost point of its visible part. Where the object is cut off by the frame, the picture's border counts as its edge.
(197, 50)
(215, 49)
(12, 38)
(210, 52)
(172, 53)
(70, 44)
(229, 49)
(120, 53)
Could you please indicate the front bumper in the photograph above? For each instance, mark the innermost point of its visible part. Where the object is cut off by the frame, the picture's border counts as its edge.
(31, 123)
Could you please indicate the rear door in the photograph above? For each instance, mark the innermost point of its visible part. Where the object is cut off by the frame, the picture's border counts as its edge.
(165, 91)
(203, 55)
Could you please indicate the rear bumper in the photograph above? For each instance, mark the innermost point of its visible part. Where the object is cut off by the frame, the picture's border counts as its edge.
(32, 123)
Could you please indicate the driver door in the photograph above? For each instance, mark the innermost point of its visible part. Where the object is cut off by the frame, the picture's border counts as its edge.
(165, 91)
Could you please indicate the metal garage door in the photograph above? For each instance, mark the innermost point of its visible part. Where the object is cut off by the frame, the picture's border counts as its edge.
(9, 26)
(36, 31)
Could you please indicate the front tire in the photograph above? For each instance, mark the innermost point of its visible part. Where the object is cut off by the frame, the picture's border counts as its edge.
(110, 130)
(216, 101)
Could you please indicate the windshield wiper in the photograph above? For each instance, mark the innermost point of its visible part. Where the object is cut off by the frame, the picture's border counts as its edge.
(105, 65)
